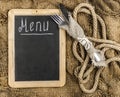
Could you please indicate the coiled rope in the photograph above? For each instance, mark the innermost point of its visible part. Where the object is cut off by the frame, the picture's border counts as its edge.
(82, 72)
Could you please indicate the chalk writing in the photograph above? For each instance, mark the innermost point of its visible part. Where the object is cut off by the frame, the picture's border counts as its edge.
(34, 28)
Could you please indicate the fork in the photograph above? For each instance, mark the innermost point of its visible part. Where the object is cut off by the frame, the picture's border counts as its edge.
(59, 20)
(82, 39)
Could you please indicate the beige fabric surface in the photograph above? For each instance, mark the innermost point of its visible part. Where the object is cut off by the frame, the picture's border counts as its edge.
(109, 83)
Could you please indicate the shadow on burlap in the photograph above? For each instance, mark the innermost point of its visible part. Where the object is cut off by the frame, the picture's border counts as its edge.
(109, 82)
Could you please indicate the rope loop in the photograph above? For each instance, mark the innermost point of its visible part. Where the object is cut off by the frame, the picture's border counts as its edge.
(83, 71)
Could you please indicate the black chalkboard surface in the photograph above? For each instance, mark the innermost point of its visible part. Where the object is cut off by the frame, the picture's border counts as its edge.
(36, 49)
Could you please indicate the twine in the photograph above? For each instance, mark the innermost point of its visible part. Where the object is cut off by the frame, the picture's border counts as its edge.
(82, 72)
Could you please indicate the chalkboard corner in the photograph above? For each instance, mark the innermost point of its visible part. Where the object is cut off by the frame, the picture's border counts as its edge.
(11, 84)
(11, 12)
(62, 83)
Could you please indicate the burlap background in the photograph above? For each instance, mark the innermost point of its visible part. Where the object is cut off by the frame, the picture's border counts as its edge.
(109, 83)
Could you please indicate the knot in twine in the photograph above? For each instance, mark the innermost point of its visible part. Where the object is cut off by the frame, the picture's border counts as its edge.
(86, 67)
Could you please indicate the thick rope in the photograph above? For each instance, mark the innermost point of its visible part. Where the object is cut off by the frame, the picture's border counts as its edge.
(82, 72)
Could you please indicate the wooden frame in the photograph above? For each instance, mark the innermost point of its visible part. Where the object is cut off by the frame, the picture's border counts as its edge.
(11, 49)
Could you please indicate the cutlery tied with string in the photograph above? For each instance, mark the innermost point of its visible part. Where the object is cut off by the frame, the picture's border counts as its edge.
(66, 22)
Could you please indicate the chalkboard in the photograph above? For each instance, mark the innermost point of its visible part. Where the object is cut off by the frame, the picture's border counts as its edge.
(36, 49)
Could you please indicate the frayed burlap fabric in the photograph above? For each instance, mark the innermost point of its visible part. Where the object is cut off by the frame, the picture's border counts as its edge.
(109, 82)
